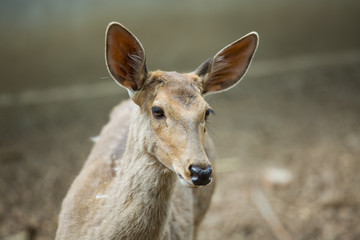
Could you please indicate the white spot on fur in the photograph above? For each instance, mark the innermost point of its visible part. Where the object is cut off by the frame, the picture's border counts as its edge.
(100, 196)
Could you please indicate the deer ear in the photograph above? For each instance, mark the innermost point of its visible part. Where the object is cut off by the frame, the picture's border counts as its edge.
(228, 66)
(125, 57)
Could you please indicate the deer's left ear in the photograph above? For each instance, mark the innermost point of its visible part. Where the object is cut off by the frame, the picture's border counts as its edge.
(228, 66)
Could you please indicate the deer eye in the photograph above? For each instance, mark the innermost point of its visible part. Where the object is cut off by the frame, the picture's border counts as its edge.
(207, 113)
(157, 112)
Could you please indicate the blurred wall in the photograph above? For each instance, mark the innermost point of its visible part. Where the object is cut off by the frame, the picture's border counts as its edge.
(52, 43)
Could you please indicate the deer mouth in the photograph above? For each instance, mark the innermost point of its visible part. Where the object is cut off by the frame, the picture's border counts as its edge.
(186, 183)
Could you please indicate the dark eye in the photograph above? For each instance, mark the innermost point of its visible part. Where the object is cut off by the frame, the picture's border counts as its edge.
(157, 112)
(207, 113)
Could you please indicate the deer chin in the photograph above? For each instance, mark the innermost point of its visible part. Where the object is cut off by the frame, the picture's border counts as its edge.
(186, 183)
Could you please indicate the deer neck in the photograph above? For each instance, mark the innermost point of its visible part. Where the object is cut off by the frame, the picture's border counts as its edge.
(143, 187)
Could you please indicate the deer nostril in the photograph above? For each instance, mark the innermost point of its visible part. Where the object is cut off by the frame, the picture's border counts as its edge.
(199, 175)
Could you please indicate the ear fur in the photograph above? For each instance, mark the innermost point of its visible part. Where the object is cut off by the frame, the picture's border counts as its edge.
(125, 57)
(229, 65)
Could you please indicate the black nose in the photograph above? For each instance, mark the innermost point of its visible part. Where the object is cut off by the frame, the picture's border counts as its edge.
(200, 176)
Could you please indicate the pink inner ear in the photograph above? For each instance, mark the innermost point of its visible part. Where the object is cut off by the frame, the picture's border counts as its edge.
(230, 64)
(125, 57)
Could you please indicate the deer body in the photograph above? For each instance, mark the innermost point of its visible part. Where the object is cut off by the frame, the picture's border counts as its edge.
(128, 187)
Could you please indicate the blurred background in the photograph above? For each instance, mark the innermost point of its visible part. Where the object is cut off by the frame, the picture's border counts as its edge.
(287, 137)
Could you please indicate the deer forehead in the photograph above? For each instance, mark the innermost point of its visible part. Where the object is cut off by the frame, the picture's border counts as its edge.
(179, 94)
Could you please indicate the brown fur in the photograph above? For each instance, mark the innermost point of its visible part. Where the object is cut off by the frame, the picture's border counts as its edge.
(128, 187)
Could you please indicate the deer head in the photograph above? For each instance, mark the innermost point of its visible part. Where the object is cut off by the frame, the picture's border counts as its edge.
(172, 103)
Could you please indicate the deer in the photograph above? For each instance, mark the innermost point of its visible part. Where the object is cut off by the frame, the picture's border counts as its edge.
(150, 173)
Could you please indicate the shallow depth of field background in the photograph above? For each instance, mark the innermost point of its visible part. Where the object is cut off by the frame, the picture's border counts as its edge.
(287, 137)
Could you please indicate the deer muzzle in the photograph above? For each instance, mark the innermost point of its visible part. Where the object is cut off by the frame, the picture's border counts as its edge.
(200, 176)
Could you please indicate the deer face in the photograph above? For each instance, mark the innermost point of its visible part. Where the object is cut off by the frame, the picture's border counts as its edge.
(177, 114)
(173, 103)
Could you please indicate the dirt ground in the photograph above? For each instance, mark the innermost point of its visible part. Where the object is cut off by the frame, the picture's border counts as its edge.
(291, 117)
(311, 129)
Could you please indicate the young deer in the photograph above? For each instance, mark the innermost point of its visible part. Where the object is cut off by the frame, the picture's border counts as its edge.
(127, 188)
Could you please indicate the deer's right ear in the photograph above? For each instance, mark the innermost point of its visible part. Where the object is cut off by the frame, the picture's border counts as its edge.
(125, 57)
